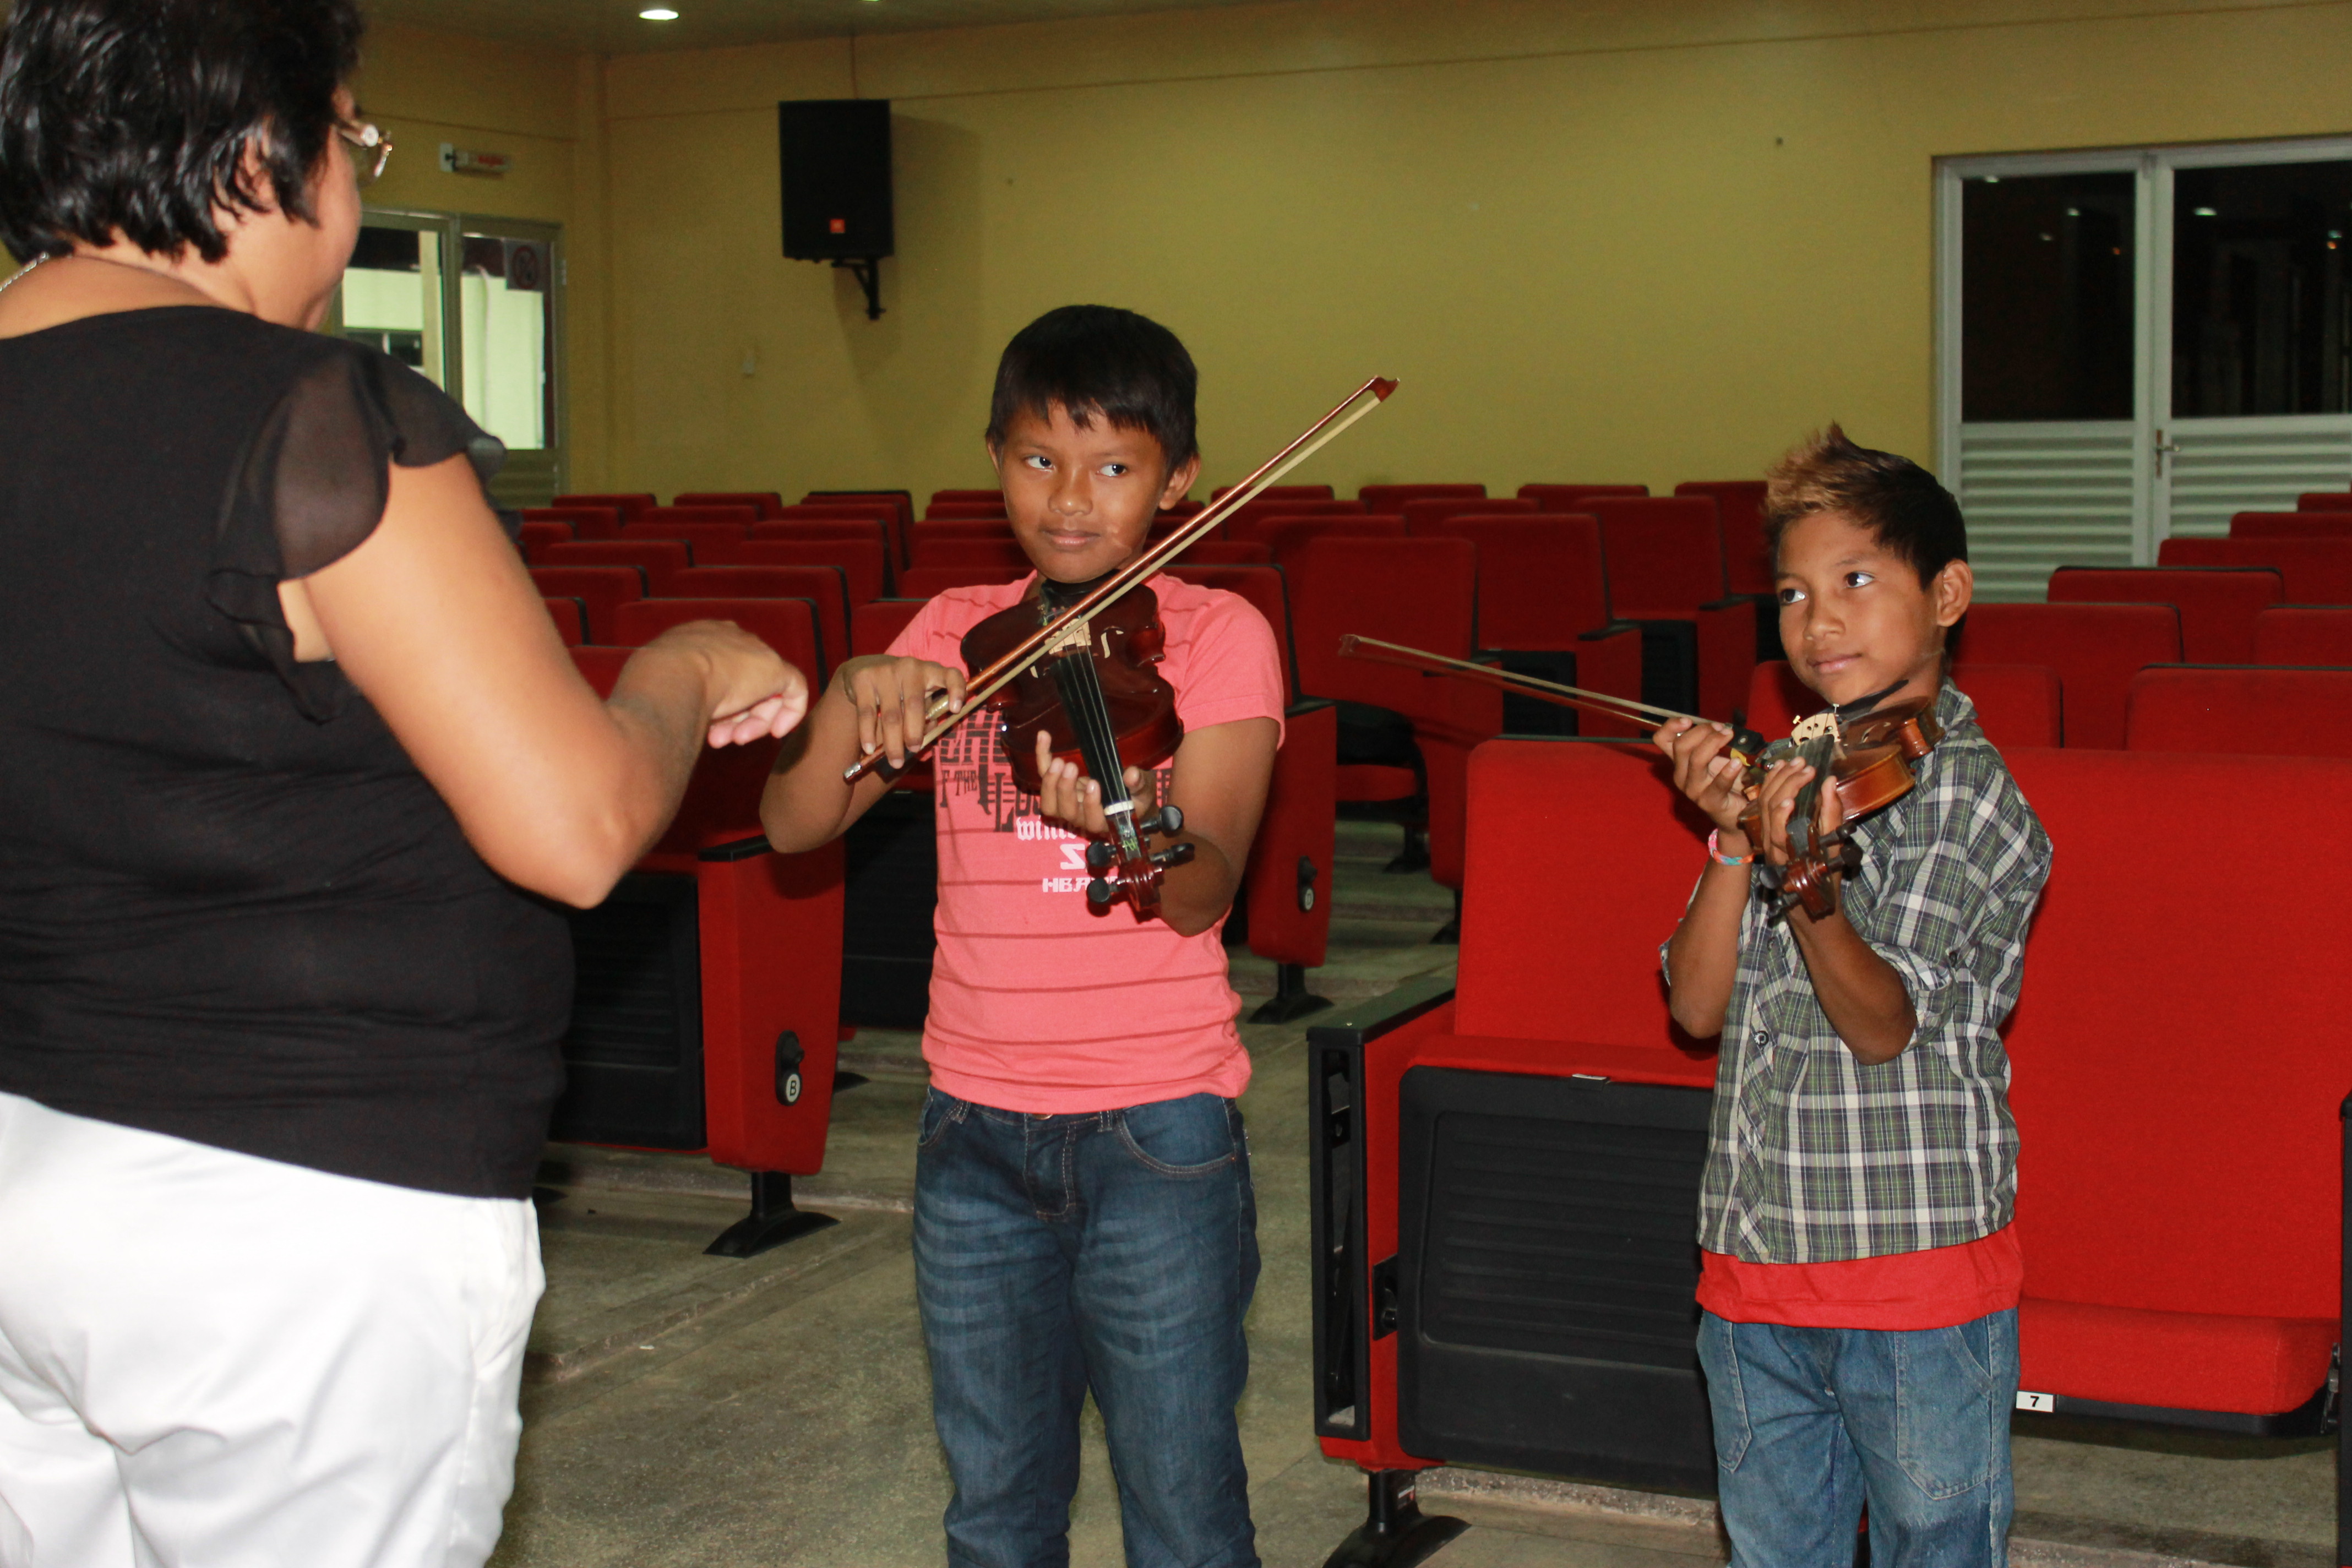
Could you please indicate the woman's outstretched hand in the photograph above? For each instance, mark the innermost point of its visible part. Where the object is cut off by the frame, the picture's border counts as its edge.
(753, 693)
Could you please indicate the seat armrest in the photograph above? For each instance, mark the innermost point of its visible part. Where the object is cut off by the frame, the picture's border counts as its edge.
(1380, 1014)
(1307, 705)
(1610, 629)
(737, 849)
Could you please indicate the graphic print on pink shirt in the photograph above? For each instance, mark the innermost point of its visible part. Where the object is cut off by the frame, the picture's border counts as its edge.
(1039, 1004)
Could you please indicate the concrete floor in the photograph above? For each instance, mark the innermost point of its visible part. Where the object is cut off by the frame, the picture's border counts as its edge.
(689, 1412)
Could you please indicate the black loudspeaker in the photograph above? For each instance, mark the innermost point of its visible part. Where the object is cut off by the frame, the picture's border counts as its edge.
(633, 1057)
(835, 157)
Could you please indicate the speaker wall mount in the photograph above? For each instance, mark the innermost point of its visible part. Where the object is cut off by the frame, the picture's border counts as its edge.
(834, 156)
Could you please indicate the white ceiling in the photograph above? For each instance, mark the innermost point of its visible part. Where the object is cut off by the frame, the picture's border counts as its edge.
(611, 26)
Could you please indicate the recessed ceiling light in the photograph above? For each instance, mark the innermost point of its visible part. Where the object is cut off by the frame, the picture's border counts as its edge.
(2206, 212)
(659, 14)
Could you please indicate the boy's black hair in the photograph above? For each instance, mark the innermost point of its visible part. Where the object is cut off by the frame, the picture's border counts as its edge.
(133, 116)
(1894, 498)
(1099, 360)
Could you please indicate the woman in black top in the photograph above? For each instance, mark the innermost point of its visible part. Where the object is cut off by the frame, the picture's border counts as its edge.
(291, 762)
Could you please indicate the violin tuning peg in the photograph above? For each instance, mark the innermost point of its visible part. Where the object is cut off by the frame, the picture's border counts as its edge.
(1099, 893)
(1174, 854)
(1167, 822)
(1101, 856)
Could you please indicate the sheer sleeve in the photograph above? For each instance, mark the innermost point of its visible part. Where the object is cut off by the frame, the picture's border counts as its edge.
(310, 487)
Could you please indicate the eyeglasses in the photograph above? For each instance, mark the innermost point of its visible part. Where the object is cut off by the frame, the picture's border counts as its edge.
(366, 139)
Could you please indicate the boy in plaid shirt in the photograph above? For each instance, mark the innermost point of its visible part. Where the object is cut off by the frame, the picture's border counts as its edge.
(1859, 1280)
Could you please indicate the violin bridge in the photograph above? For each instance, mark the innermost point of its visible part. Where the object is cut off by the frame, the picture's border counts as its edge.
(1822, 726)
(1078, 636)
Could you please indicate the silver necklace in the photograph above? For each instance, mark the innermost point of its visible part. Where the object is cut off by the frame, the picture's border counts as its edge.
(23, 273)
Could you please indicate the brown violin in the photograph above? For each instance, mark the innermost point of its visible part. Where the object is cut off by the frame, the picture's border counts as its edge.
(1096, 691)
(1864, 751)
(1076, 628)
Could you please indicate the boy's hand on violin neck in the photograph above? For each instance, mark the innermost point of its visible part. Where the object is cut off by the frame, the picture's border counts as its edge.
(1778, 802)
(1064, 794)
(1706, 775)
(892, 699)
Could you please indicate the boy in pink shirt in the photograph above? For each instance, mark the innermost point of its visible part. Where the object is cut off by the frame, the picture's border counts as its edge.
(1084, 1217)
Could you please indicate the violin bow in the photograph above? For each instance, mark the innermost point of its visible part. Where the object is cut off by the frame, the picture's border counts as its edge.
(1607, 704)
(943, 716)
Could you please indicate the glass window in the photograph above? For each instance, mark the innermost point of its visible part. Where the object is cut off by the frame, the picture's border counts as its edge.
(391, 297)
(2046, 285)
(507, 310)
(2259, 317)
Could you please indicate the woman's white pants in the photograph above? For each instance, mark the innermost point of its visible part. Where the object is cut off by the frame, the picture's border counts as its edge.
(213, 1361)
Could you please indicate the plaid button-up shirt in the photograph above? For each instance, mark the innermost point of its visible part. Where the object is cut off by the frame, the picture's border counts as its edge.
(1813, 1157)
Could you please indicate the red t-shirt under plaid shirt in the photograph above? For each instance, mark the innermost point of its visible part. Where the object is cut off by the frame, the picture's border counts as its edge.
(1037, 1002)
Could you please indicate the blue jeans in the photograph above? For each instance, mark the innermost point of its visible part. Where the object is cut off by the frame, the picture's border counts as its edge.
(1114, 1251)
(1810, 1422)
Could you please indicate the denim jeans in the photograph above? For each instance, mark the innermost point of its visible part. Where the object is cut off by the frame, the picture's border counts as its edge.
(1810, 1422)
(1114, 1251)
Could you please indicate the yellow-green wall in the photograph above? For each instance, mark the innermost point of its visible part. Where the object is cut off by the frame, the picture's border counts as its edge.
(1596, 242)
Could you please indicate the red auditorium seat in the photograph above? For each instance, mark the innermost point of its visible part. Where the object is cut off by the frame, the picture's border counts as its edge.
(1571, 498)
(694, 534)
(965, 498)
(1666, 566)
(658, 559)
(1746, 559)
(1388, 499)
(2323, 500)
(1243, 524)
(862, 562)
(923, 582)
(2217, 603)
(1286, 536)
(2306, 524)
(2095, 648)
(957, 511)
(2318, 571)
(2180, 1196)
(801, 529)
(2304, 634)
(571, 618)
(600, 591)
(742, 516)
(1286, 897)
(627, 505)
(874, 626)
(533, 537)
(761, 933)
(894, 520)
(584, 521)
(824, 587)
(2239, 709)
(1000, 552)
(1226, 553)
(1543, 589)
(763, 503)
(1423, 516)
(1280, 493)
(1420, 592)
(939, 528)
(779, 623)
(2017, 704)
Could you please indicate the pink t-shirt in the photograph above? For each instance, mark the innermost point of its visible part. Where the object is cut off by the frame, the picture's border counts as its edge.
(1037, 1002)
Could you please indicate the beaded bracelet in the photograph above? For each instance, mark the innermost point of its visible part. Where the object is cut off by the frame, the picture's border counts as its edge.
(1714, 852)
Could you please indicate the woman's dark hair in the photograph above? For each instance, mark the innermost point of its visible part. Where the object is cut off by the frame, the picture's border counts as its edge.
(1098, 360)
(1899, 501)
(134, 116)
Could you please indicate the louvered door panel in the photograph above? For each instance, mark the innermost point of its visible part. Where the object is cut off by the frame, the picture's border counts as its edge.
(2223, 466)
(2041, 495)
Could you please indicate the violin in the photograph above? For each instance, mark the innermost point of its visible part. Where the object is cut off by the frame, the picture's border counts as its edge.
(1863, 750)
(1096, 687)
(1109, 711)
